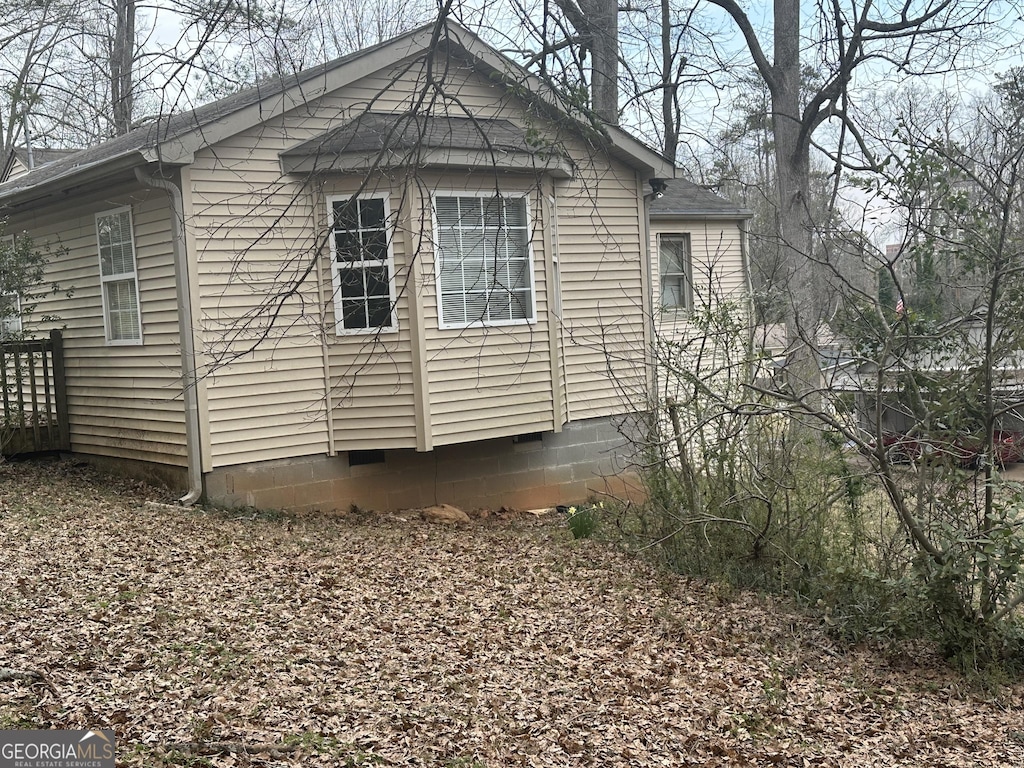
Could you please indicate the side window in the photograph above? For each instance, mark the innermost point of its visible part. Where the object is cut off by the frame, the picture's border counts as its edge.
(362, 265)
(676, 272)
(483, 256)
(122, 322)
(10, 303)
(10, 315)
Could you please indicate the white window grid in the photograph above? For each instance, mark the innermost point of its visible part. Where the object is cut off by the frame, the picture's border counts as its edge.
(119, 286)
(343, 271)
(481, 278)
(676, 271)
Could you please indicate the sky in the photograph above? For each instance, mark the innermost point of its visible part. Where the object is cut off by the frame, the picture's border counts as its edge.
(709, 108)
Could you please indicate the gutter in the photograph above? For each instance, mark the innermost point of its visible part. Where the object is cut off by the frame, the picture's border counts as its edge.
(739, 215)
(22, 192)
(189, 387)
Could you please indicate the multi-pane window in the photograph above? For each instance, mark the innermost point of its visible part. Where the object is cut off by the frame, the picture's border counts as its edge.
(361, 264)
(10, 315)
(121, 320)
(483, 254)
(676, 272)
(10, 303)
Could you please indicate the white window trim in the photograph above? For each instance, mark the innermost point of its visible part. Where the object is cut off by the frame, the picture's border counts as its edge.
(532, 319)
(10, 324)
(339, 317)
(555, 290)
(692, 295)
(119, 277)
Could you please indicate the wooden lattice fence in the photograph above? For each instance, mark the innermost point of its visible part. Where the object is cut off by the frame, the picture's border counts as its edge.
(34, 396)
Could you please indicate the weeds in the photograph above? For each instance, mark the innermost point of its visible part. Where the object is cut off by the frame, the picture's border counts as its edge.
(583, 520)
(747, 492)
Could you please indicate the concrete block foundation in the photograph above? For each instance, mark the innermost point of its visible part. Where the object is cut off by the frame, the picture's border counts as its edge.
(582, 460)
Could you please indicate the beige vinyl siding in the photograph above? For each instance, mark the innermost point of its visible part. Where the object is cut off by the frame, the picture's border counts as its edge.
(248, 218)
(123, 401)
(474, 383)
(259, 321)
(485, 384)
(601, 253)
(396, 90)
(255, 234)
(492, 381)
(371, 374)
(714, 350)
(239, 197)
(718, 275)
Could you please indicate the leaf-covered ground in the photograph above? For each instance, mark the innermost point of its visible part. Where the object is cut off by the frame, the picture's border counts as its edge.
(205, 638)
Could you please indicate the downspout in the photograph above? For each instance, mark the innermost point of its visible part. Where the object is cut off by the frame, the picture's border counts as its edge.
(647, 278)
(189, 385)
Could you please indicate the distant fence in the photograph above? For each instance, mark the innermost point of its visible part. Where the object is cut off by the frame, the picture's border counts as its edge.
(35, 398)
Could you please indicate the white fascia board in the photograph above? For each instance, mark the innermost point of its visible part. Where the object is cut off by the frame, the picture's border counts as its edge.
(699, 215)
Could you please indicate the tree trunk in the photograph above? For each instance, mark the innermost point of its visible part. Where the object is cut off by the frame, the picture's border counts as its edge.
(670, 86)
(603, 19)
(122, 56)
(795, 228)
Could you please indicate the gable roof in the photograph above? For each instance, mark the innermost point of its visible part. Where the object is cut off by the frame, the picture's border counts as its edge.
(32, 158)
(684, 199)
(173, 140)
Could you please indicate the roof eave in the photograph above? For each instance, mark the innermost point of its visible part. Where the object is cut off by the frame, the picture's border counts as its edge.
(640, 156)
(74, 178)
(9, 161)
(740, 213)
(182, 148)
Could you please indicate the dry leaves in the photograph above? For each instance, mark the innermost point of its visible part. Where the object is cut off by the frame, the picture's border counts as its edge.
(205, 638)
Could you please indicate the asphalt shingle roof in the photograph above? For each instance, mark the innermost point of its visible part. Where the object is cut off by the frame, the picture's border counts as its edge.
(683, 198)
(151, 136)
(42, 155)
(165, 128)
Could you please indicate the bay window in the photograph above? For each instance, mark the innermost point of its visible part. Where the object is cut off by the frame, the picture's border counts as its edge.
(484, 267)
(362, 265)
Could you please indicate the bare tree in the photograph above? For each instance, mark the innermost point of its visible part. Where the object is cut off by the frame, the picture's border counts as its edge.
(122, 58)
(30, 39)
(913, 37)
(663, 63)
(938, 383)
(597, 34)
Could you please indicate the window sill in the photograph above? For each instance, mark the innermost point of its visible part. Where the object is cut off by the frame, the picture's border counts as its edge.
(348, 332)
(486, 324)
(124, 343)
